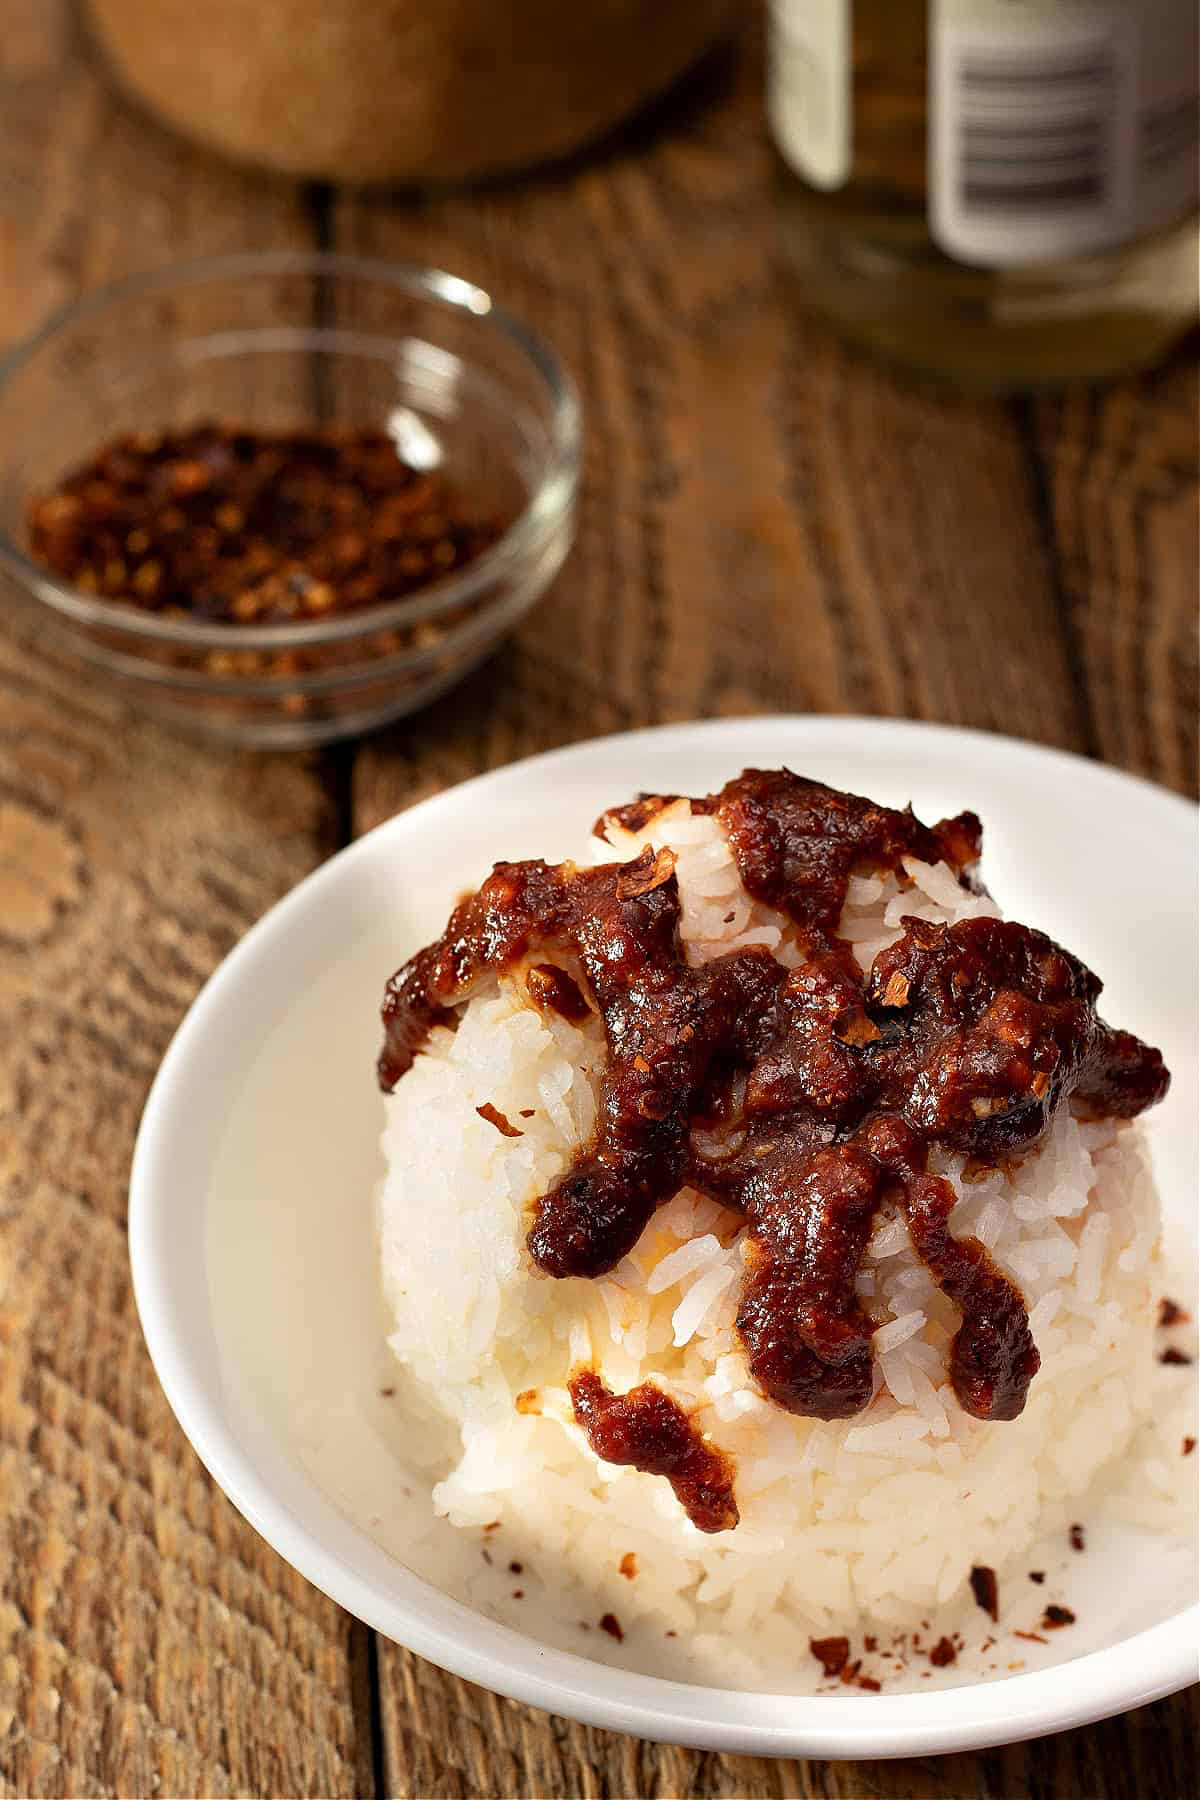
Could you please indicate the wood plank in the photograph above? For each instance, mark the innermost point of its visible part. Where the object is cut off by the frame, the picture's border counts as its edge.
(448, 1740)
(740, 467)
(766, 524)
(1122, 482)
(890, 545)
(149, 1640)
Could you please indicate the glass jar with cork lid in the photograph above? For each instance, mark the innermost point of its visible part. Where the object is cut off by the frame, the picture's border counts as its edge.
(998, 192)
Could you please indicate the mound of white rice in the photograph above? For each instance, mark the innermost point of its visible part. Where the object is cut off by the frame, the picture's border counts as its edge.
(869, 1520)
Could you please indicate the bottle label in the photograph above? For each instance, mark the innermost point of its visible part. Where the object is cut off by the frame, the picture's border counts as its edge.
(808, 93)
(1059, 127)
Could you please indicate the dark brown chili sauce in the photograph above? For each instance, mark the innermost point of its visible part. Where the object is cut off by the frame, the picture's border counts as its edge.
(647, 1430)
(966, 1036)
(552, 990)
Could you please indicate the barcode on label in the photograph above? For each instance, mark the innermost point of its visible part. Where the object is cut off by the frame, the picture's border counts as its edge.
(1035, 132)
(1033, 137)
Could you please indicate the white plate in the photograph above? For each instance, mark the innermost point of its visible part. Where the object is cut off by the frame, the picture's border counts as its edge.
(251, 1225)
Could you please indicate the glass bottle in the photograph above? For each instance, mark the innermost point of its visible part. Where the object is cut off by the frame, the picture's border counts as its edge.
(998, 192)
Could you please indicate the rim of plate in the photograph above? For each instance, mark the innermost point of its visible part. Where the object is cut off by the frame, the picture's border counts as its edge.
(419, 1615)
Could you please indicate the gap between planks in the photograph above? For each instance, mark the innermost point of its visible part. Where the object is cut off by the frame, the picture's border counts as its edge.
(1042, 508)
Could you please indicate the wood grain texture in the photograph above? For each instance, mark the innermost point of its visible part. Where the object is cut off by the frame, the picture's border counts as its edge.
(149, 1641)
(1120, 472)
(766, 524)
(447, 1740)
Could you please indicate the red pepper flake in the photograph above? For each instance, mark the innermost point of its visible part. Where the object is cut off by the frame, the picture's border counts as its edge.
(611, 1624)
(527, 1112)
(516, 1568)
(832, 1653)
(943, 1654)
(386, 1393)
(1031, 1637)
(1055, 1617)
(1038, 1575)
(870, 1645)
(1170, 1313)
(493, 1525)
(552, 990)
(529, 1400)
(628, 1565)
(670, 1634)
(729, 918)
(850, 1672)
(984, 1588)
(495, 1117)
(518, 1593)
(869, 1683)
(1176, 1358)
(857, 1029)
(651, 869)
(1188, 1445)
(1078, 1539)
(895, 994)
(242, 527)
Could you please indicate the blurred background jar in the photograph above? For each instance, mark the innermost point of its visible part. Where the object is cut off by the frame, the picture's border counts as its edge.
(400, 91)
(1002, 192)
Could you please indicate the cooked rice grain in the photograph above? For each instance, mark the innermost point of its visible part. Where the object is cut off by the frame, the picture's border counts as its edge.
(864, 1521)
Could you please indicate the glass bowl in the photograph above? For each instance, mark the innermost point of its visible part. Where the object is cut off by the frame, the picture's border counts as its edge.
(277, 341)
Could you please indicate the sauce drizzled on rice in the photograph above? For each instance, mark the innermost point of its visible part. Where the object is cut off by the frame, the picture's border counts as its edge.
(1069, 1223)
(801, 1097)
(647, 1430)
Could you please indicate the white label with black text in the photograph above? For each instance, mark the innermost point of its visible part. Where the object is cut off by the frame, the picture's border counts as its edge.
(1059, 127)
(808, 89)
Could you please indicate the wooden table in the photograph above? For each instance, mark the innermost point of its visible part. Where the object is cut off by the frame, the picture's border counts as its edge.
(767, 524)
